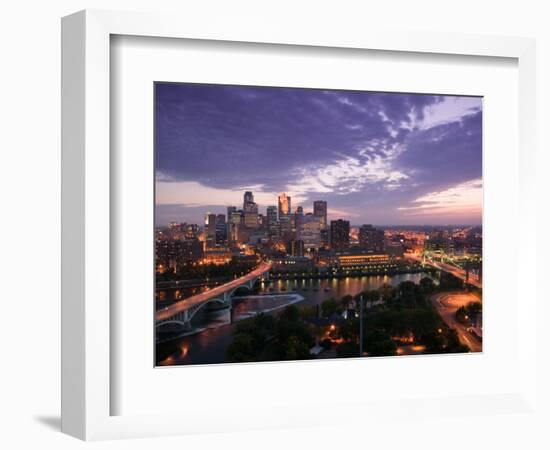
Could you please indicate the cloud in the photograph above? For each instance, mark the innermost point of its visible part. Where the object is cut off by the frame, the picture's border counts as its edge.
(464, 199)
(366, 153)
(451, 109)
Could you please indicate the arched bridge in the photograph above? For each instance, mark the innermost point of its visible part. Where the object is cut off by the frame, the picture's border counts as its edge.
(182, 312)
(469, 278)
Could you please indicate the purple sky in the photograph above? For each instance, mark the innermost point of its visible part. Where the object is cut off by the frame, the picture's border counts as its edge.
(376, 158)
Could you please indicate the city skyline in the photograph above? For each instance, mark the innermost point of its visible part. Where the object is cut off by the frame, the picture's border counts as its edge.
(380, 158)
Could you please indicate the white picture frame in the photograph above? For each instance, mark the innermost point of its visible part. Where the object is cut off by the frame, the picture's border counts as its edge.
(86, 246)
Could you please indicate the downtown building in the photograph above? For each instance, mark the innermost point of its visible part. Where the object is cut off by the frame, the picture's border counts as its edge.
(285, 225)
(339, 234)
(320, 210)
(371, 238)
(309, 232)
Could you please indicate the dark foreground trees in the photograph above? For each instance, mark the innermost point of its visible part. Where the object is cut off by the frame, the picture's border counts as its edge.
(269, 338)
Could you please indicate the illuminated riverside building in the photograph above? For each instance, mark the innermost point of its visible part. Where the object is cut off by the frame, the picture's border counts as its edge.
(292, 264)
(346, 260)
(217, 256)
(339, 234)
(361, 259)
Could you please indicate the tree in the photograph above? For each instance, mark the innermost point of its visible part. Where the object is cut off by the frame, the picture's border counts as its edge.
(347, 350)
(371, 297)
(387, 293)
(379, 343)
(241, 349)
(427, 285)
(346, 301)
(329, 307)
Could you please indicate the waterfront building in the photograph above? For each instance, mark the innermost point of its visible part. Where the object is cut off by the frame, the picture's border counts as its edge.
(217, 256)
(292, 264)
(339, 234)
(362, 259)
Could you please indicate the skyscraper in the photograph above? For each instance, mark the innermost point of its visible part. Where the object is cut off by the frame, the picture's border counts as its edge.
(320, 210)
(210, 230)
(339, 234)
(248, 197)
(233, 224)
(284, 216)
(250, 211)
(272, 223)
(221, 230)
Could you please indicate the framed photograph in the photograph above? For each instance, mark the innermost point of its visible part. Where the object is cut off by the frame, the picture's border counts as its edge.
(264, 217)
(297, 270)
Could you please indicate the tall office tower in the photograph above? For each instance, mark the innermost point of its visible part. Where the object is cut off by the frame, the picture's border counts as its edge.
(371, 238)
(339, 234)
(210, 230)
(284, 216)
(272, 223)
(295, 220)
(284, 205)
(320, 210)
(298, 215)
(233, 223)
(248, 197)
(309, 232)
(250, 211)
(221, 230)
(230, 211)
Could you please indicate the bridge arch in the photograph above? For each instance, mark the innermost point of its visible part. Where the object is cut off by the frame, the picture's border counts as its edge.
(184, 313)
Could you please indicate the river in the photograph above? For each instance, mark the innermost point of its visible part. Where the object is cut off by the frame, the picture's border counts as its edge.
(209, 343)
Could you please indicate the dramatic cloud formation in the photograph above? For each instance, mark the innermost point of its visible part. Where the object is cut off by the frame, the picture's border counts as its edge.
(375, 157)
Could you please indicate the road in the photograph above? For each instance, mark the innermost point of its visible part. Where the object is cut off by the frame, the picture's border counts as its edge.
(183, 305)
(473, 279)
(447, 305)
